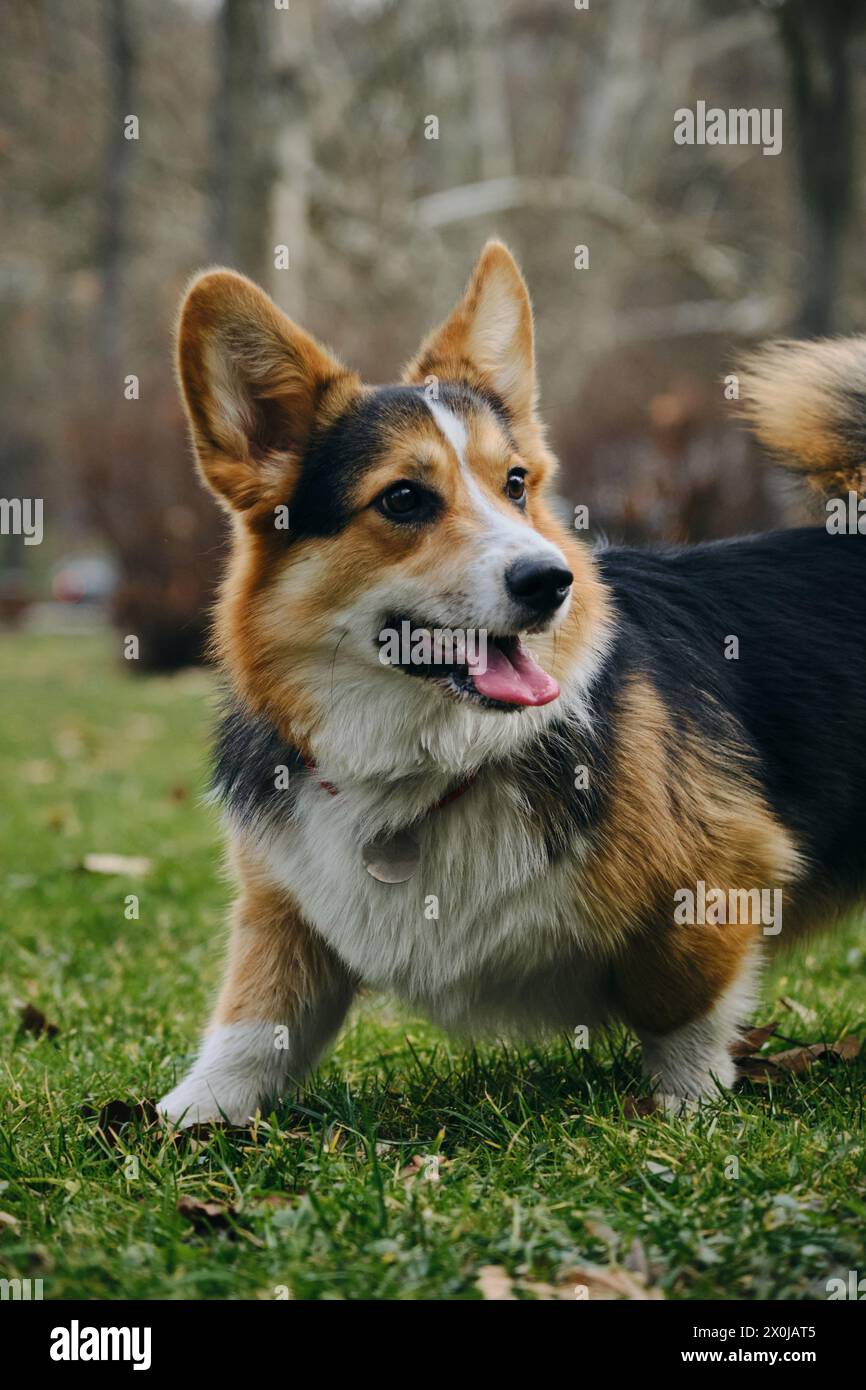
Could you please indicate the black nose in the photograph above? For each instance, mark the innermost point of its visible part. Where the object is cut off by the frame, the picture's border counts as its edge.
(538, 584)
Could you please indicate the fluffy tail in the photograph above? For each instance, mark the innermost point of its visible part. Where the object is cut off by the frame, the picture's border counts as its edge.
(807, 403)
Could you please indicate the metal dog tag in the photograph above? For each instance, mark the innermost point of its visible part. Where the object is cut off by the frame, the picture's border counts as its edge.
(392, 858)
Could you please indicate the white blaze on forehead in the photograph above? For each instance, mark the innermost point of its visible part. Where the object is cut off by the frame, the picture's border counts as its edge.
(452, 427)
(504, 532)
(454, 431)
(499, 527)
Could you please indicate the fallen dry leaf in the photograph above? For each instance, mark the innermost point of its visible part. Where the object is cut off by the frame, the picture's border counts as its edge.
(589, 1282)
(637, 1108)
(495, 1284)
(112, 1116)
(33, 1021)
(205, 1216)
(7, 1219)
(796, 1060)
(753, 1041)
(607, 1284)
(847, 1048)
(133, 866)
(545, 1293)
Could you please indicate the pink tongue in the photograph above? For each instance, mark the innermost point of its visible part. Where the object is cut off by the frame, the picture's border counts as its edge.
(514, 679)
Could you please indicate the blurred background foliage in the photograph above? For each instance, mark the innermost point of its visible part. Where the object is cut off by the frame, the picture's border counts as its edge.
(305, 127)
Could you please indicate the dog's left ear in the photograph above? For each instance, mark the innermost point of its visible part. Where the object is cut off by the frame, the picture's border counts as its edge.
(487, 340)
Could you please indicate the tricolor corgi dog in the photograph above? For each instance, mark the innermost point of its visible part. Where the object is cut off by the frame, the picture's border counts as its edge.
(635, 769)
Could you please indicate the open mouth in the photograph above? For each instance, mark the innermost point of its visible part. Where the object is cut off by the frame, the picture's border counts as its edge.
(496, 671)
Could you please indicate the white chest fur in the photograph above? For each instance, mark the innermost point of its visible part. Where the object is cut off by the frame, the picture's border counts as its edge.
(485, 935)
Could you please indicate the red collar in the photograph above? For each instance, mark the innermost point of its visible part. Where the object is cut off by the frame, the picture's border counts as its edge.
(311, 767)
(443, 801)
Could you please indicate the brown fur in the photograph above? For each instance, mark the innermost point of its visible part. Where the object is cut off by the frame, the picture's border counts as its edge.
(804, 401)
(701, 817)
(255, 385)
(253, 382)
(488, 342)
(277, 967)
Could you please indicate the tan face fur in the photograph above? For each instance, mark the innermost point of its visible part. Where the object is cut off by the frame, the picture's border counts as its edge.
(277, 422)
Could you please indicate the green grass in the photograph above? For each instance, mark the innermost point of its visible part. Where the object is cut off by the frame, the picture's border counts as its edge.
(545, 1172)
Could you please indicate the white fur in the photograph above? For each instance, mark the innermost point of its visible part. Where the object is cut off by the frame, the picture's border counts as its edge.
(486, 936)
(451, 426)
(237, 1067)
(503, 947)
(427, 733)
(241, 1066)
(506, 537)
(504, 950)
(694, 1062)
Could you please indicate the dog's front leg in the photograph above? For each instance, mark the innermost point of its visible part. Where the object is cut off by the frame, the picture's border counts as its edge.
(284, 997)
(691, 1063)
(688, 1021)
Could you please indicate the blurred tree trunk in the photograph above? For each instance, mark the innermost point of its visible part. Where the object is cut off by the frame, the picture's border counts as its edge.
(242, 153)
(261, 144)
(610, 114)
(290, 42)
(141, 493)
(488, 77)
(816, 38)
(113, 251)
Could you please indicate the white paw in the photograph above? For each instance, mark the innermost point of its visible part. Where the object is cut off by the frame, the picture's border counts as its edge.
(676, 1107)
(238, 1067)
(694, 1063)
(207, 1100)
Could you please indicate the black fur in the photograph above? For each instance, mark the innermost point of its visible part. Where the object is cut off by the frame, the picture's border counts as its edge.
(791, 710)
(247, 754)
(549, 772)
(796, 600)
(338, 456)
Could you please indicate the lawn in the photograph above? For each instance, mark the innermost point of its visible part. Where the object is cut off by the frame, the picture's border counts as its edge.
(543, 1168)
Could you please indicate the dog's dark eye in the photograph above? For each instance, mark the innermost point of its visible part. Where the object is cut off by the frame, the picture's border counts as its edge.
(409, 503)
(406, 502)
(515, 487)
(401, 499)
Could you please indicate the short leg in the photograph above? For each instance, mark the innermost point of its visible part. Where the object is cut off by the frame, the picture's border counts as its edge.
(283, 999)
(690, 1064)
(694, 1062)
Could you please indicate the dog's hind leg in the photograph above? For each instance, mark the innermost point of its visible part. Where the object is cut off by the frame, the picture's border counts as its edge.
(283, 1000)
(694, 1062)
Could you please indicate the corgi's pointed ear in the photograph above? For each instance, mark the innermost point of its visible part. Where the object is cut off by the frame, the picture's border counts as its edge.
(254, 385)
(487, 340)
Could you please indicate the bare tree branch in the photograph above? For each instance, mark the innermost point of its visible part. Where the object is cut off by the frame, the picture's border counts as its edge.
(717, 266)
(749, 318)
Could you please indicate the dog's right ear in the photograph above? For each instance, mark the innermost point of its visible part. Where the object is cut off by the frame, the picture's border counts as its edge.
(254, 385)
